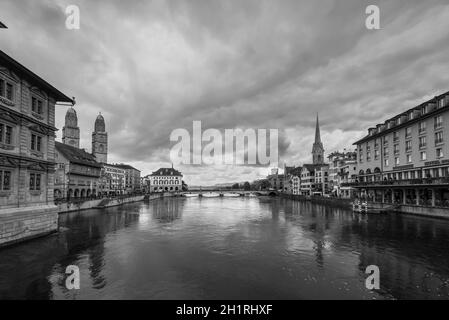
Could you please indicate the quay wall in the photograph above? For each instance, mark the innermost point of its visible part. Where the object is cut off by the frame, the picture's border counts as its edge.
(96, 203)
(336, 202)
(433, 212)
(24, 223)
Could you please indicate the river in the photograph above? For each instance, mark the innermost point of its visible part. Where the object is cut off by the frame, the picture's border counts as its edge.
(231, 248)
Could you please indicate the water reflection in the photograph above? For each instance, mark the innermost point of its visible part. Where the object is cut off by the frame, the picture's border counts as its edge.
(231, 248)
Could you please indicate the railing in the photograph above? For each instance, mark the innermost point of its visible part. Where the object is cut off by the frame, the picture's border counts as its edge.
(424, 181)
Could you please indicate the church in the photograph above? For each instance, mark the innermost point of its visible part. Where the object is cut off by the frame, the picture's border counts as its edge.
(78, 172)
(315, 176)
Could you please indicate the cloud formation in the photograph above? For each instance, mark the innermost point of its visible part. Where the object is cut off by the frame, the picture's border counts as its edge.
(153, 66)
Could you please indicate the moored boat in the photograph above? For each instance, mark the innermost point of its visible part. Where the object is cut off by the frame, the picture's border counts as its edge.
(231, 195)
(191, 195)
(211, 195)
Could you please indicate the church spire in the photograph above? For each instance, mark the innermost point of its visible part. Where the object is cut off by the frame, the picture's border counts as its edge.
(317, 130)
(318, 149)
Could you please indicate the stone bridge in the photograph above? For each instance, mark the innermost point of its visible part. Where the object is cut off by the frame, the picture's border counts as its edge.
(234, 192)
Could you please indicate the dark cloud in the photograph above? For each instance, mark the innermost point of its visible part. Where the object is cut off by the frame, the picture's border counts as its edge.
(152, 67)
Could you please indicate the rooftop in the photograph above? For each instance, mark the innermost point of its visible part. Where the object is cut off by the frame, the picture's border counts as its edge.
(76, 155)
(424, 110)
(33, 78)
(166, 172)
(125, 166)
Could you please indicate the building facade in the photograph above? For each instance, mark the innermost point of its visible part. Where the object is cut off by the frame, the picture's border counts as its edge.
(77, 173)
(342, 170)
(292, 178)
(405, 160)
(165, 180)
(27, 152)
(132, 178)
(112, 180)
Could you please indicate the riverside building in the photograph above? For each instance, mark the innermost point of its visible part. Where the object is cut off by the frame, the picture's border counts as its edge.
(27, 152)
(405, 160)
(165, 180)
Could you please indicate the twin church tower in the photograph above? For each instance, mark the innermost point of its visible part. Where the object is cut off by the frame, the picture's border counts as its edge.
(71, 135)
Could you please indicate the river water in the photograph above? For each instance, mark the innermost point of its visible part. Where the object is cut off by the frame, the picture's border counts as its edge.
(231, 248)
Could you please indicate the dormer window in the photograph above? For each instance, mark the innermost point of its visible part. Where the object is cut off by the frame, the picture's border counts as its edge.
(424, 110)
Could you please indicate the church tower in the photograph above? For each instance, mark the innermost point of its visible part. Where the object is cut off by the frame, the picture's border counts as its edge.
(100, 140)
(318, 149)
(71, 131)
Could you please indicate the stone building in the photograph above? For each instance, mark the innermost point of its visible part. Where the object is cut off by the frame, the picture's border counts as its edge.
(405, 160)
(77, 172)
(165, 180)
(27, 152)
(100, 140)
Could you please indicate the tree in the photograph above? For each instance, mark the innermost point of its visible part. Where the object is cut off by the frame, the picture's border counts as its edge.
(265, 185)
(235, 186)
(246, 186)
(184, 187)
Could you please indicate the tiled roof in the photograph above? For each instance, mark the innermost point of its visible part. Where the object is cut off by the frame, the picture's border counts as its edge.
(313, 167)
(75, 155)
(166, 172)
(125, 166)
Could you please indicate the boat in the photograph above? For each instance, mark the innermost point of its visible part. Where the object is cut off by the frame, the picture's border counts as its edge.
(231, 195)
(191, 195)
(211, 195)
(369, 207)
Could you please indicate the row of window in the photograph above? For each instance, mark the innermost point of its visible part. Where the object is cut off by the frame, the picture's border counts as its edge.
(418, 174)
(408, 147)
(6, 134)
(165, 177)
(5, 181)
(438, 124)
(165, 182)
(423, 157)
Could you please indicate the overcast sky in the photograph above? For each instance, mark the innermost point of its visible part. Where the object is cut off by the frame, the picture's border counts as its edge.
(153, 66)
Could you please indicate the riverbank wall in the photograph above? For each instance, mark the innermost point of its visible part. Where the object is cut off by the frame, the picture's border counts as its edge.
(96, 203)
(432, 212)
(21, 224)
(336, 202)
